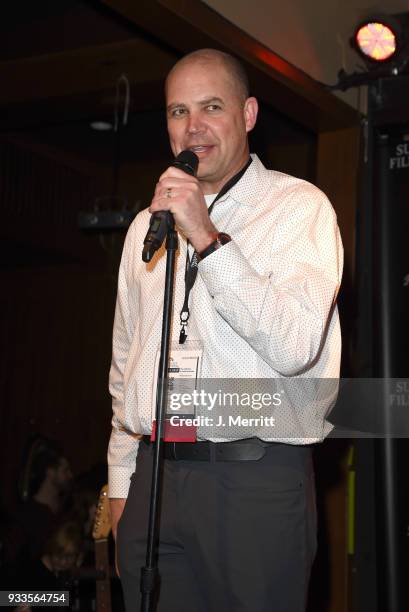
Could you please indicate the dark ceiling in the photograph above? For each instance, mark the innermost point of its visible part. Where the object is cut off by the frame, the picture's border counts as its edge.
(53, 26)
(60, 61)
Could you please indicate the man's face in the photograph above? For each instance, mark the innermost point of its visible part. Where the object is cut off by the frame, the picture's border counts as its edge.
(206, 114)
(62, 475)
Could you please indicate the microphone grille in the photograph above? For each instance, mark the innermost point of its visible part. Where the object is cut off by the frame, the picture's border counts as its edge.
(187, 161)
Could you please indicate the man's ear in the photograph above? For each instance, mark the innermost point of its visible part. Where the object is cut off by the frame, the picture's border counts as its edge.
(250, 113)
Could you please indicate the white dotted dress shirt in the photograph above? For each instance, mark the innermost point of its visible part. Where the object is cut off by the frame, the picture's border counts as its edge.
(263, 306)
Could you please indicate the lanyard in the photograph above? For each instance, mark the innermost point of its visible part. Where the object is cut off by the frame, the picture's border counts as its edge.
(192, 263)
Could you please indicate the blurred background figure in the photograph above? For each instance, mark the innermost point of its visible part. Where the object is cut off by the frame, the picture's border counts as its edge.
(53, 571)
(45, 486)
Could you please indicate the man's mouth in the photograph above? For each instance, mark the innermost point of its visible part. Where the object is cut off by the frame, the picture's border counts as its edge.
(200, 148)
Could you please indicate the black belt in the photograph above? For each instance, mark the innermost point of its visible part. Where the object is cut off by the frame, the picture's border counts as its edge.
(250, 449)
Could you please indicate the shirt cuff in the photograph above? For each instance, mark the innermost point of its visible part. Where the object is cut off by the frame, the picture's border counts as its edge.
(119, 480)
(219, 269)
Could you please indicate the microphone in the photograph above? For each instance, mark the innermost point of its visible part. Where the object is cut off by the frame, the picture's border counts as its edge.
(159, 223)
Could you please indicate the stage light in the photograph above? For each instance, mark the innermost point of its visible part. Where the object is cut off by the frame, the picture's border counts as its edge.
(382, 41)
(376, 40)
(382, 38)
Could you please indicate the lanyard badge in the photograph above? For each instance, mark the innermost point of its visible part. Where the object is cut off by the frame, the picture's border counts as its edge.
(183, 375)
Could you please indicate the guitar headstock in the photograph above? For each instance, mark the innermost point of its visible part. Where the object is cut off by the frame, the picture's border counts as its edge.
(102, 522)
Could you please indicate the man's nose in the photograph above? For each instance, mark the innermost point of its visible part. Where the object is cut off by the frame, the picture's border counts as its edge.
(195, 124)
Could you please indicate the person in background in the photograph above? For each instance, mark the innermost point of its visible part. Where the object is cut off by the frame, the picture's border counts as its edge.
(46, 485)
(52, 571)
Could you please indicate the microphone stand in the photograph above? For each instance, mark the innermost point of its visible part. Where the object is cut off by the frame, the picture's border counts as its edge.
(149, 573)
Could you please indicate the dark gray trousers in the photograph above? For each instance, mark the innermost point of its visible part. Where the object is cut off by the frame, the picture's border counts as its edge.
(234, 536)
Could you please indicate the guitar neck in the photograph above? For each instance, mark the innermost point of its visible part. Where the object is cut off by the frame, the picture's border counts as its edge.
(103, 586)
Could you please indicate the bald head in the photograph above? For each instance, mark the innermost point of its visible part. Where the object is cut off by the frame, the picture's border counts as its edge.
(209, 112)
(215, 58)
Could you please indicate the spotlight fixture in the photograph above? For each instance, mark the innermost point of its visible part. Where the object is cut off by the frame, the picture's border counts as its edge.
(376, 40)
(383, 42)
(381, 38)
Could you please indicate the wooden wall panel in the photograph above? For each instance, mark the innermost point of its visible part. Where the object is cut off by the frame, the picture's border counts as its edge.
(338, 171)
(57, 304)
(337, 175)
(338, 165)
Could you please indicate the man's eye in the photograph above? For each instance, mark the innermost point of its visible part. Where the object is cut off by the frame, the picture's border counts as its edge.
(213, 107)
(178, 112)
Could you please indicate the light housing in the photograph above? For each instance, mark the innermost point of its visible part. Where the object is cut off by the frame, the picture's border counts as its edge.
(376, 40)
(381, 38)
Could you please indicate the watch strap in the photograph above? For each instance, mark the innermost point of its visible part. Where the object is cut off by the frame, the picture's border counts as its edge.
(220, 240)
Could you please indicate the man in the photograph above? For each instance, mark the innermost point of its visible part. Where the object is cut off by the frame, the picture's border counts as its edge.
(237, 527)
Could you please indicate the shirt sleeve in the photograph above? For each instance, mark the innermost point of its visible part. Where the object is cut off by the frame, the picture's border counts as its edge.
(283, 313)
(123, 445)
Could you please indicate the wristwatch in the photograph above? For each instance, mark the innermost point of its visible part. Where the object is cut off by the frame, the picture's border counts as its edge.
(220, 240)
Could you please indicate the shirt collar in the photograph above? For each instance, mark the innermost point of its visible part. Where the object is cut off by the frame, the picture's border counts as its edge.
(249, 190)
